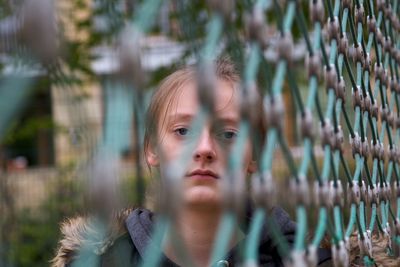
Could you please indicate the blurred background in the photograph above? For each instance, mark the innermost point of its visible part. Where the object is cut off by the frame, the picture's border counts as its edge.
(61, 97)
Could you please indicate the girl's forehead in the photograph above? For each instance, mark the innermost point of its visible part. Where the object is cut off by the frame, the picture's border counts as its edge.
(187, 100)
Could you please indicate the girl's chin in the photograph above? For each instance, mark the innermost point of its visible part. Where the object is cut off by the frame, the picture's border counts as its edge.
(202, 195)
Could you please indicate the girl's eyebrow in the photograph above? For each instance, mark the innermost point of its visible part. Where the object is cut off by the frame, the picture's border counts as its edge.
(227, 120)
(183, 117)
(187, 118)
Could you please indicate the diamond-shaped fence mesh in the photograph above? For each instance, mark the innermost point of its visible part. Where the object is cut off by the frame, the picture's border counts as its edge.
(77, 77)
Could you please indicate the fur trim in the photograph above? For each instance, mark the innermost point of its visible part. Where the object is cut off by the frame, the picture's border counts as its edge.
(380, 244)
(88, 232)
(84, 231)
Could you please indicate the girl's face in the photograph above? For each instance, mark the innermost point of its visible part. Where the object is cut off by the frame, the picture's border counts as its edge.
(208, 161)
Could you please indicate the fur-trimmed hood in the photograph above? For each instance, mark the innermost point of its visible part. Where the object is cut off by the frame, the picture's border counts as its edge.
(85, 238)
(87, 231)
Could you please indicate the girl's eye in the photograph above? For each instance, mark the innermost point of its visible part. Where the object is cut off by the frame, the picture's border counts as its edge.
(182, 131)
(228, 135)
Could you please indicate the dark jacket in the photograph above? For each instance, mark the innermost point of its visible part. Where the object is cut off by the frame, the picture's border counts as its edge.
(125, 243)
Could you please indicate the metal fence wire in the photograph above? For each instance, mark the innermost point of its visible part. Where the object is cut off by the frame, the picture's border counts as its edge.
(348, 87)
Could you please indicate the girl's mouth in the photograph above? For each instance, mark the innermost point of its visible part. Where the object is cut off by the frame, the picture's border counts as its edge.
(202, 174)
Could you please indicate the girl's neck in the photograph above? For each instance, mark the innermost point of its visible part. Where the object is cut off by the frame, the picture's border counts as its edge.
(197, 230)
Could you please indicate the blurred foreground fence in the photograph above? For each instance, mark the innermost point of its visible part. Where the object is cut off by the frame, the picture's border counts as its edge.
(74, 89)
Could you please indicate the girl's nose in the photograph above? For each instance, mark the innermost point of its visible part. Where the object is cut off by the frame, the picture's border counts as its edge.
(205, 150)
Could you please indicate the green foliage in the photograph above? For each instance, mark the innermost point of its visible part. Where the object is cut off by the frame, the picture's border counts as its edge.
(26, 130)
(34, 242)
(35, 233)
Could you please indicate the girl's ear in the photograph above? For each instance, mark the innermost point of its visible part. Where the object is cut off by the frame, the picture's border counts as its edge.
(252, 167)
(151, 156)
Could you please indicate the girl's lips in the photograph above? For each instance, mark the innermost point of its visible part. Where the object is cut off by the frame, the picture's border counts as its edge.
(203, 174)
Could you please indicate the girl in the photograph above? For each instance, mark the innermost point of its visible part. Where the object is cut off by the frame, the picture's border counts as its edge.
(169, 132)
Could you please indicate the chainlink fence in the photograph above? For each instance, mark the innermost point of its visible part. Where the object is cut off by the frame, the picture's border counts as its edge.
(77, 77)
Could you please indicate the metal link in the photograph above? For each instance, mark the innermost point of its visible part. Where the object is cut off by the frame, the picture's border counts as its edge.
(234, 192)
(300, 191)
(373, 194)
(397, 226)
(393, 85)
(38, 30)
(397, 190)
(367, 104)
(297, 259)
(387, 11)
(343, 46)
(379, 36)
(339, 140)
(340, 255)
(367, 63)
(358, 54)
(313, 65)
(341, 90)
(364, 192)
(397, 53)
(365, 245)
(374, 111)
(359, 14)
(249, 103)
(317, 11)
(224, 7)
(331, 78)
(357, 98)
(307, 125)
(256, 27)
(274, 110)
(206, 81)
(130, 66)
(327, 134)
(382, 155)
(312, 255)
(390, 119)
(387, 45)
(354, 194)
(365, 148)
(378, 71)
(385, 114)
(264, 190)
(333, 29)
(395, 22)
(397, 83)
(394, 53)
(285, 47)
(388, 191)
(171, 195)
(337, 193)
(384, 78)
(322, 194)
(371, 22)
(397, 121)
(347, 4)
(382, 192)
(376, 150)
(356, 145)
(392, 153)
(380, 5)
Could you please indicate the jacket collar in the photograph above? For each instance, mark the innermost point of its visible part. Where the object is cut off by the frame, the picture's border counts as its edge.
(86, 231)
